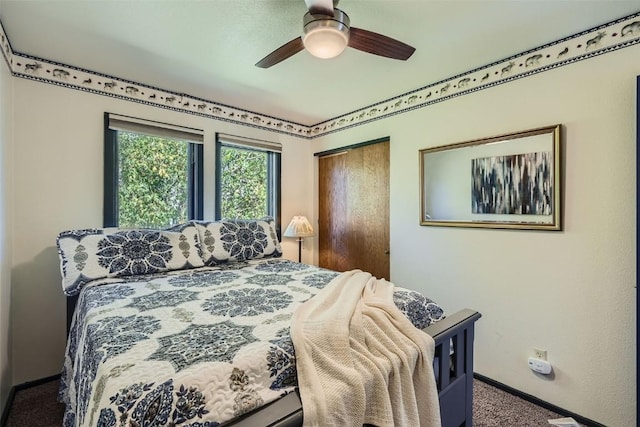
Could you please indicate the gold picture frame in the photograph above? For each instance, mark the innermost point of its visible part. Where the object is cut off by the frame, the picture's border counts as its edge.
(509, 181)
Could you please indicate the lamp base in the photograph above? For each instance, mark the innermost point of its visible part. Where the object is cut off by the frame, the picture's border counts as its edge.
(299, 249)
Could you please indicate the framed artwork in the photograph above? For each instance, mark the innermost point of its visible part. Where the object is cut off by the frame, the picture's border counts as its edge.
(507, 181)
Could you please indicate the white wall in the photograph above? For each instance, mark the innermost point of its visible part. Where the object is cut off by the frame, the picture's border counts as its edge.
(5, 230)
(57, 180)
(570, 292)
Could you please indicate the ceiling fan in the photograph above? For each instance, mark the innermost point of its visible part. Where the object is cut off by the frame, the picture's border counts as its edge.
(326, 33)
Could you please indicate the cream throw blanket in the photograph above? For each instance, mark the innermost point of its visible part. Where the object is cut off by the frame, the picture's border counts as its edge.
(360, 360)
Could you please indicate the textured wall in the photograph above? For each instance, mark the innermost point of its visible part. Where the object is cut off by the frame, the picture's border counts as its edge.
(58, 185)
(6, 91)
(570, 292)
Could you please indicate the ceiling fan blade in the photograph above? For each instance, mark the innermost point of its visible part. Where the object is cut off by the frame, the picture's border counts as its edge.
(368, 41)
(280, 54)
(320, 7)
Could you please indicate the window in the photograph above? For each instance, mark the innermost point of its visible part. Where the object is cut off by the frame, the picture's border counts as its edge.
(247, 178)
(152, 173)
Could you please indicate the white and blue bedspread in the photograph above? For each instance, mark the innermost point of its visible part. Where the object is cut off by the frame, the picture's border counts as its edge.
(194, 348)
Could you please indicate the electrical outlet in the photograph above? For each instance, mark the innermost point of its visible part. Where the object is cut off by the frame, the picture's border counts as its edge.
(540, 354)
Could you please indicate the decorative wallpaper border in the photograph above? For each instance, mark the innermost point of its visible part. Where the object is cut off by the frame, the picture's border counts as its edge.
(603, 39)
(7, 52)
(606, 38)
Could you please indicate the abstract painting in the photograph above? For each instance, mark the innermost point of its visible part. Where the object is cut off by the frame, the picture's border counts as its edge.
(519, 184)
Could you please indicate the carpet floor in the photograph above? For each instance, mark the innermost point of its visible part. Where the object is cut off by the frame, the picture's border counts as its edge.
(492, 407)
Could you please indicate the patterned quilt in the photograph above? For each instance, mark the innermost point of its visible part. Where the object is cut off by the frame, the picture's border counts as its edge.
(192, 348)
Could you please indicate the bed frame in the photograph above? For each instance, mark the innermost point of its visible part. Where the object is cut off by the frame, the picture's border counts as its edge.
(452, 365)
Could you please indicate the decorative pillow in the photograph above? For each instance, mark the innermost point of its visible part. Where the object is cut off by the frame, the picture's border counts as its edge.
(238, 240)
(96, 253)
(419, 309)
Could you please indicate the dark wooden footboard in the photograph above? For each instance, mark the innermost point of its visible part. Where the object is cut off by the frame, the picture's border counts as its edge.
(453, 366)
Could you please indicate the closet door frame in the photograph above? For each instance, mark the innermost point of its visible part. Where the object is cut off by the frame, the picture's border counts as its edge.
(355, 234)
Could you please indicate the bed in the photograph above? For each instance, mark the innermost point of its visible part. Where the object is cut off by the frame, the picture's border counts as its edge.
(190, 326)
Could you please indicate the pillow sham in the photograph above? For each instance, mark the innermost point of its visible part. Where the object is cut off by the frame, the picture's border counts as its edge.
(421, 310)
(97, 253)
(238, 240)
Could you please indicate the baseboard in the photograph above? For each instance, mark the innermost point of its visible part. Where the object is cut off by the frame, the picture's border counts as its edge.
(529, 398)
(23, 386)
(34, 383)
(5, 412)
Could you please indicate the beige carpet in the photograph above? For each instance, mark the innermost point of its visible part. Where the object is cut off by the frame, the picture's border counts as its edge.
(493, 407)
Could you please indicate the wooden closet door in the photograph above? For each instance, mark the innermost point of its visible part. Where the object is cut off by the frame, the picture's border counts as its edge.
(353, 225)
(332, 221)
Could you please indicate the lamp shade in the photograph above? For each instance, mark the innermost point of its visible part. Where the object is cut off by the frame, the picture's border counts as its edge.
(299, 227)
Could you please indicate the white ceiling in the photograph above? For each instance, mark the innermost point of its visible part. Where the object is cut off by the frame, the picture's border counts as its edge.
(208, 49)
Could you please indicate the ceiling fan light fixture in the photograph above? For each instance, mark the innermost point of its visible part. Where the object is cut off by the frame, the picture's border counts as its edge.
(326, 33)
(325, 42)
(324, 36)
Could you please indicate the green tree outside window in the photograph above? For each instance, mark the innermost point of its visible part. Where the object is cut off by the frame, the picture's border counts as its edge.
(244, 184)
(153, 180)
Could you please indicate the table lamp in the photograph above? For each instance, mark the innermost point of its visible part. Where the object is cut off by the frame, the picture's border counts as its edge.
(299, 227)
